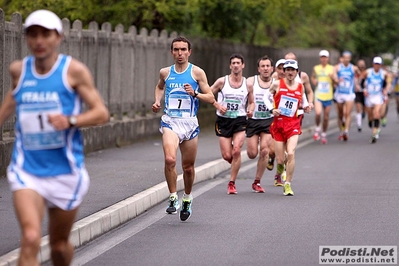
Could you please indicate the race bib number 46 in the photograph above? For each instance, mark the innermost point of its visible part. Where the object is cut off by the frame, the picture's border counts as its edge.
(37, 132)
(288, 106)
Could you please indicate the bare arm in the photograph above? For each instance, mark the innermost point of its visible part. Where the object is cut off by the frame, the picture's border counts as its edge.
(308, 88)
(314, 77)
(160, 89)
(80, 79)
(206, 94)
(251, 101)
(335, 74)
(215, 88)
(8, 106)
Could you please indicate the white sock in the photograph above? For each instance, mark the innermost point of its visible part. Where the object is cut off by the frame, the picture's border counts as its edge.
(288, 182)
(187, 196)
(323, 134)
(317, 129)
(359, 119)
(174, 194)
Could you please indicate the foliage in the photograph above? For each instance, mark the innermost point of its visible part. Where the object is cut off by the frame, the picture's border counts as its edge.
(366, 27)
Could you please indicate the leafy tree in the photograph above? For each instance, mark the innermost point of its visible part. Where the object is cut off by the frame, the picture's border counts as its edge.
(375, 26)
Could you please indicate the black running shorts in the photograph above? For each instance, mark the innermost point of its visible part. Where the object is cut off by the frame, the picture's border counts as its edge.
(226, 127)
(257, 126)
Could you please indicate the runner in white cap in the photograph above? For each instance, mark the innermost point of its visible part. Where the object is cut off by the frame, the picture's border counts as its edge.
(375, 91)
(286, 126)
(322, 78)
(47, 168)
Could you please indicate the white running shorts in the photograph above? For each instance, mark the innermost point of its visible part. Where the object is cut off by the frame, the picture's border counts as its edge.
(186, 128)
(372, 100)
(342, 97)
(63, 191)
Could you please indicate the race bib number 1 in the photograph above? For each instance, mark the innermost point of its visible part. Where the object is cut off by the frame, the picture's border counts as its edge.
(37, 132)
(288, 106)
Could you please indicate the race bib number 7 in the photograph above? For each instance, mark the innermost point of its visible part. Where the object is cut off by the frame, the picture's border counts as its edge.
(179, 105)
(37, 132)
(288, 106)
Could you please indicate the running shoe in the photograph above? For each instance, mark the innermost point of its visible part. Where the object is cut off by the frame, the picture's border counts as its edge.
(359, 129)
(384, 121)
(231, 188)
(270, 163)
(323, 140)
(341, 136)
(185, 211)
(257, 188)
(287, 190)
(373, 140)
(173, 205)
(345, 136)
(316, 136)
(277, 181)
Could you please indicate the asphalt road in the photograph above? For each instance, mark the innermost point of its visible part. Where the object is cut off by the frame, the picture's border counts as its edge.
(115, 174)
(345, 194)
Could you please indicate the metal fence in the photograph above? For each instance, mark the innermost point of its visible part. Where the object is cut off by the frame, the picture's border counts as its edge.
(125, 63)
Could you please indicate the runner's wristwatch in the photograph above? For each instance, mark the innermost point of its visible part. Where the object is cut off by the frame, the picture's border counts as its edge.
(72, 121)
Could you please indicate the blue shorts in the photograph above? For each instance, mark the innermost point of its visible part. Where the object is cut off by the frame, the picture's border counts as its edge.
(325, 103)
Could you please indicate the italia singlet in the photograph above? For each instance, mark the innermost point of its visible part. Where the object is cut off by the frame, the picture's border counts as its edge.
(39, 149)
(260, 96)
(178, 103)
(374, 81)
(234, 99)
(324, 90)
(346, 77)
(287, 101)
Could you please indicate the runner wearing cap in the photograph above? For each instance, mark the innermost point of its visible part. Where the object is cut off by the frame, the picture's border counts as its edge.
(303, 77)
(286, 126)
(322, 78)
(258, 127)
(375, 91)
(277, 74)
(47, 168)
(344, 76)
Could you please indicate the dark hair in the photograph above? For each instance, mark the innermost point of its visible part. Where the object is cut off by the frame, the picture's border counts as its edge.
(180, 39)
(265, 57)
(239, 56)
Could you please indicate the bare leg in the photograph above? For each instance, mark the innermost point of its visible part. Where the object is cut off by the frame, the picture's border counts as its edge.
(291, 147)
(29, 208)
(170, 143)
(60, 225)
(263, 155)
(189, 153)
(238, 142)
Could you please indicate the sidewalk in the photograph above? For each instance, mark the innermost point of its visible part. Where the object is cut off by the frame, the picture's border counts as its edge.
(125, 182)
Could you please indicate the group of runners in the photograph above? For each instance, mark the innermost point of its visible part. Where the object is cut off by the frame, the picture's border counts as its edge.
(265, 110)
(348, 85)
(47, 168)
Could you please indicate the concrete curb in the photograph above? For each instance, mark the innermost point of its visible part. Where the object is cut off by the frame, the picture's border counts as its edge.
(105, 220)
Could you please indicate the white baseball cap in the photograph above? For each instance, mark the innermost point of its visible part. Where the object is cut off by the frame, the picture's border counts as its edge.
(45, 19)
(324, 53)
(377, 60)
(279, 62)
(291, 63)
